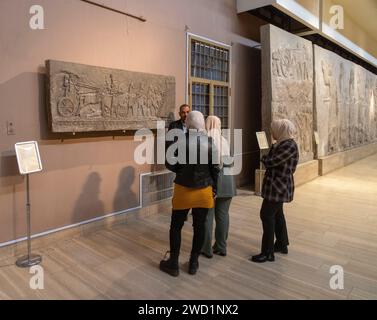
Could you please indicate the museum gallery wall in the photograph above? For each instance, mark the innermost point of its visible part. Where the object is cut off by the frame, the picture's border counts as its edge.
(90, 175)
(343, 108)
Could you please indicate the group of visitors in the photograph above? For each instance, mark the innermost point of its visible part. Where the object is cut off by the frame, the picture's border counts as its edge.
(204, 184)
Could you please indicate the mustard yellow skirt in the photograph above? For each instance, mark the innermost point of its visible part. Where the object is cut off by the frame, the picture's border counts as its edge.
(187, 198)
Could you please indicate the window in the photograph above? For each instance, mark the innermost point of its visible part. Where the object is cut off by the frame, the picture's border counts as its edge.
(209, 81)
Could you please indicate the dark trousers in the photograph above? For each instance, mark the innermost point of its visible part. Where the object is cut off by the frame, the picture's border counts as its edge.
(221, 215)
(178, 219)
(273, 221)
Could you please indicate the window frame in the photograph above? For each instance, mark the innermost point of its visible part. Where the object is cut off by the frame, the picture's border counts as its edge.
(212, 83)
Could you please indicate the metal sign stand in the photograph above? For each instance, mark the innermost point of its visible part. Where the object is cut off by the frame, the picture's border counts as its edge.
(263, 145)
(261, 168)
(29, 161)
(260, 172)
(30, 259)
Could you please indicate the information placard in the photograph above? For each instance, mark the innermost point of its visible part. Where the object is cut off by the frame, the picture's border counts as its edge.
(28, 157)
(262, 140)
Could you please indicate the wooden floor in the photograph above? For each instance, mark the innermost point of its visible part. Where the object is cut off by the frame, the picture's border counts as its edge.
(333, 221)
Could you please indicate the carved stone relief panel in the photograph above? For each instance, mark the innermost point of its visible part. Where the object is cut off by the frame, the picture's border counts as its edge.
(345, 109)
(287, 84)
(87, 98)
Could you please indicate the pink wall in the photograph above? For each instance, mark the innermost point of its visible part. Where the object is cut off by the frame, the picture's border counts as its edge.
(92, 176)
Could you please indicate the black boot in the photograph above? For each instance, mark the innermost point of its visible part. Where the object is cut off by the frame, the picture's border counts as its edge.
(263, 257)
(280, 248)
(170, 266)
(193, 263)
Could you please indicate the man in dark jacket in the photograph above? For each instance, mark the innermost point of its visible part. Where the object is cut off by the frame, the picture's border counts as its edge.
(180, 124)
(184, 110)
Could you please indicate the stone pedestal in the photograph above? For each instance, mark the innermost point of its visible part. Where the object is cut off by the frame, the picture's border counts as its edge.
(305, 172)
(341, 159)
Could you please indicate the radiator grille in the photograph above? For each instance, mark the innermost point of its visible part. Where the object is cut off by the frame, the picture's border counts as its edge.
(156, 187)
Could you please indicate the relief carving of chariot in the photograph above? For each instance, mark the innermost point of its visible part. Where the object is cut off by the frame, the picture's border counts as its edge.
(109, 99)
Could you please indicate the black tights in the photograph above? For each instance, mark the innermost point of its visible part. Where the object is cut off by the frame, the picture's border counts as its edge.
(178, 219)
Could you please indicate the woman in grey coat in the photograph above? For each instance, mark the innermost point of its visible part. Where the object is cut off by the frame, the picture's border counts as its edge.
(226, 190)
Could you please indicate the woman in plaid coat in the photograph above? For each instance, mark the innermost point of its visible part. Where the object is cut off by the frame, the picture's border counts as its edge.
(278, 187)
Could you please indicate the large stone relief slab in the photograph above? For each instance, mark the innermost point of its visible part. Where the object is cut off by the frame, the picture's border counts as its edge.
(87, 98)
(346, 105)
(287, 84)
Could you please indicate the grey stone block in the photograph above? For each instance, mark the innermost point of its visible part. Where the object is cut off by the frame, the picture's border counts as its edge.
(84, 98)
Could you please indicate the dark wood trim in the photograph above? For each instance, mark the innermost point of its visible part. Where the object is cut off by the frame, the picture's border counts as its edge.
(115, 10)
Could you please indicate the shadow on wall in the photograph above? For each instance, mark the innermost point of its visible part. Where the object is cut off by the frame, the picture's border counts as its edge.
(88, 205)
(9, 166)
(125, 198)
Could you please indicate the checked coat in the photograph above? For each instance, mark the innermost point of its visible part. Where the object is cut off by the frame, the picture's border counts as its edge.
(280, 164)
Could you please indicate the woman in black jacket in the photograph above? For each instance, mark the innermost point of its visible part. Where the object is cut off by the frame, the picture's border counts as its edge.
(194, 188)
(278, 187)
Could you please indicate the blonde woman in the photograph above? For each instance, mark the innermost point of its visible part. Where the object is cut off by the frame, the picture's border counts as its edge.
(194, 188)
(226, 190)
(278, 187)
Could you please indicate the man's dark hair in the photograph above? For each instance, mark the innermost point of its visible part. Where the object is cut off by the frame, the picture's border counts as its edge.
(183, 106)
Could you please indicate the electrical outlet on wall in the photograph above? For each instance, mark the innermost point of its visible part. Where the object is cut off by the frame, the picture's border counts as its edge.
(10, 128)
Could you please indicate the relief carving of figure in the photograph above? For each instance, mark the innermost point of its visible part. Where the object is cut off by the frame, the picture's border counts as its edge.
(330, 100)
(154, 100)
(141, 103)
(132, 107)
(291, 63)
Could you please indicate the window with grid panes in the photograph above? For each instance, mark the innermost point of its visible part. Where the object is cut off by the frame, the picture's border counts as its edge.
(209, 86)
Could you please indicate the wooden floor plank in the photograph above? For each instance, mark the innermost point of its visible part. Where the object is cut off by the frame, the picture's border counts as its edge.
(332, 221)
